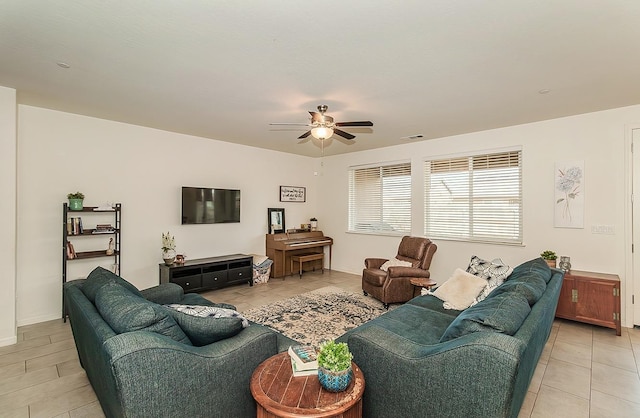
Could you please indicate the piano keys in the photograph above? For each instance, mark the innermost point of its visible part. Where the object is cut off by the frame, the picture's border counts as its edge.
(280, 248)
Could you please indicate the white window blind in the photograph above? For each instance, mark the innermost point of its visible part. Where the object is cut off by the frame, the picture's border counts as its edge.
(475, 198)
(380, 199)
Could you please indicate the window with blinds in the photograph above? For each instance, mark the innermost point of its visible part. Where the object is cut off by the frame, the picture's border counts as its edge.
(380, 199)
(475, 198)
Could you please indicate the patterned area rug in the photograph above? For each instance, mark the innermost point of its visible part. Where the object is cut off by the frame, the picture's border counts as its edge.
(323, 314)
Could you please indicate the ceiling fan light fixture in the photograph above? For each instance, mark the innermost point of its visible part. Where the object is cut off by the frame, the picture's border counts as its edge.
(322, 132)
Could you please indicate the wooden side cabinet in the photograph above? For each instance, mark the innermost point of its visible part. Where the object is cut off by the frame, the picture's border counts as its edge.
(593, 298)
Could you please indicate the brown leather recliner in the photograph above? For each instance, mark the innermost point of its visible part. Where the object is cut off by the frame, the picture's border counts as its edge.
(393, 285)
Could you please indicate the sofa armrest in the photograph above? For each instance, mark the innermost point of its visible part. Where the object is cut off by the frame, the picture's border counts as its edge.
(155, 374)
(398, 271)
(470, 376)
(374, 263)
(164, 293)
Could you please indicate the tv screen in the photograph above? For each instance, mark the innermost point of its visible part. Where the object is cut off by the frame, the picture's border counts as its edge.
(210, 206)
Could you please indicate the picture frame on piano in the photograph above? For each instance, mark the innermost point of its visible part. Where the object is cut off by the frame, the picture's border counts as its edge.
(293, 194)
(275, 220)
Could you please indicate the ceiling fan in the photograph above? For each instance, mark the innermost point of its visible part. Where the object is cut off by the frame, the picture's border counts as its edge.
(323, 127)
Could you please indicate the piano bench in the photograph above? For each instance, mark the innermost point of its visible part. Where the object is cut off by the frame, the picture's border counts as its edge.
(302, 258)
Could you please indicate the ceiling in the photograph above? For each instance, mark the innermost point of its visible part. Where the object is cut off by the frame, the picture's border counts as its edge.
(226, 69)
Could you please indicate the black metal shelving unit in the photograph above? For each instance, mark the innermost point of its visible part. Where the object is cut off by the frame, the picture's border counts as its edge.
(67, 214)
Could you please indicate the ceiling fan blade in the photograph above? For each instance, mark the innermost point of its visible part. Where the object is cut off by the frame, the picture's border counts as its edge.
(343, 134)
(289, 124)
(302, 141)
(304, 135)
(357, 123)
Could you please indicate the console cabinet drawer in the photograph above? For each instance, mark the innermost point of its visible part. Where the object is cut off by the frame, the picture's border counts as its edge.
(240, 274)
(189, 283)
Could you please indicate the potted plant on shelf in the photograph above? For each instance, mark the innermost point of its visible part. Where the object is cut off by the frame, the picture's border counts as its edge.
(550, 257)
(75, 200)
(168, 248)
(334, 366)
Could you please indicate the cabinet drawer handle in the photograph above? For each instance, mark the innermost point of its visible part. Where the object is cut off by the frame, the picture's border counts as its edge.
(187, 283)
(239, 274)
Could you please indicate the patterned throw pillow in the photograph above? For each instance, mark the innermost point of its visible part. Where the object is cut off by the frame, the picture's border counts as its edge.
(207, 324)
(495, 272)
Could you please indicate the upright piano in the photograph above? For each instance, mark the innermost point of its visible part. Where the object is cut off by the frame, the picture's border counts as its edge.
(280, 248)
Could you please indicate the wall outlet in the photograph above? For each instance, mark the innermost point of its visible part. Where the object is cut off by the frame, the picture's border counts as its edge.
(603, 229)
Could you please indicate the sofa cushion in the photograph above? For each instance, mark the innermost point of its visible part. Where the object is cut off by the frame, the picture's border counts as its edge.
(495, 272)
(101, 276)
(531, 287)
(460, 290)
(127, 312)
(503, 313)
(207, 324)
(536, 266)
(432, 303)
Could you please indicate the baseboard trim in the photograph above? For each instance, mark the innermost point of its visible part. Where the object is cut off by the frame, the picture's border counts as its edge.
(8, 341)
(38, 319)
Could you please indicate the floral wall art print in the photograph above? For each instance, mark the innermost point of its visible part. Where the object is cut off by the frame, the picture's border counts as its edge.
(569, 194)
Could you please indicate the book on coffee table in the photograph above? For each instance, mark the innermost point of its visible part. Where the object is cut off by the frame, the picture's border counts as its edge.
(305, 357)
(298, 373)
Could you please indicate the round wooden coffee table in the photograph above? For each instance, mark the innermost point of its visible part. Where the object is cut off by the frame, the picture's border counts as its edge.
(279, 394)
(418, 284)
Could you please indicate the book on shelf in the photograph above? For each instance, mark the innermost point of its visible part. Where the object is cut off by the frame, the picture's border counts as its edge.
(71, 252)
(305, 357)
(74, 226)
(298, 373)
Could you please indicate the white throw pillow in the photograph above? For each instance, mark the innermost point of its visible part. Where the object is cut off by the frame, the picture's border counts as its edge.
(460, 290)
(394, 262)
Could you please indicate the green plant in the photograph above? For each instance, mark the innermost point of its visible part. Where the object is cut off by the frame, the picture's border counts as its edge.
(76, 195)
(548, 255)
(313, 220)
(334, 356)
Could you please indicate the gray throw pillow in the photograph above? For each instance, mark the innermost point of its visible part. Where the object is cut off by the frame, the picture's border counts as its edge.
(101, 276)
(126, 312)
(503, 313)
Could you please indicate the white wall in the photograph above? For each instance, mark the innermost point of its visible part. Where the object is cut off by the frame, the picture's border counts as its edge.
(143, 169)
(597, 138)
(8, 215)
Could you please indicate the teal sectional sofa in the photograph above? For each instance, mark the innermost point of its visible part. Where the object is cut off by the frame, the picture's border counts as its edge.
(141, 363)
(421, 360)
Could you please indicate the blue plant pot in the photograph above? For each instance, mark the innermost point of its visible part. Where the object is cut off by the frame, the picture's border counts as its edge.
(334, 381)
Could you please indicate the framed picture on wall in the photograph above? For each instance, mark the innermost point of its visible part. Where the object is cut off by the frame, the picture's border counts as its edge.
(275, 220)
(293, 194)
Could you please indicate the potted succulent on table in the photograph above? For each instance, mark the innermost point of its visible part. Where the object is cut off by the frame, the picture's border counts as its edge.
(75, 200)
(334, 366)
(550, 257)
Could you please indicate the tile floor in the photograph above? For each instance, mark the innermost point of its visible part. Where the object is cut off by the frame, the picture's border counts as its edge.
(584, 371)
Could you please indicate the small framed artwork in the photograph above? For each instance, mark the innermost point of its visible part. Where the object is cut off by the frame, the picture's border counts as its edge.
(275, 220)
(293, 194)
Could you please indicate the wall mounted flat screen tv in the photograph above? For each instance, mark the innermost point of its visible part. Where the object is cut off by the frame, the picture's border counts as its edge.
(210, 206)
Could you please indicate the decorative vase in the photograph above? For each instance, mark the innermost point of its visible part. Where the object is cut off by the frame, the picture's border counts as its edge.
(169, 256)
(551, 263)
(75, 204)
(565, 263)
(334, 381)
